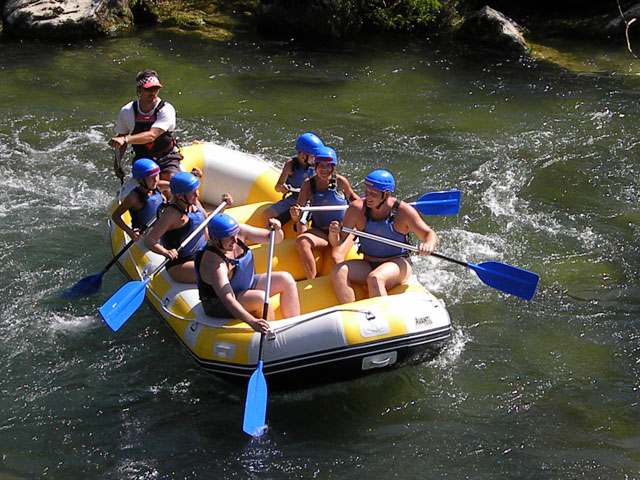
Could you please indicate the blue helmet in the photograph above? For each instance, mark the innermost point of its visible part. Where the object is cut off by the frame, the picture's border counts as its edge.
(308, 143)
(326, 155)
(223, 226)
(143, 168)
(183, 182)
(380, 180)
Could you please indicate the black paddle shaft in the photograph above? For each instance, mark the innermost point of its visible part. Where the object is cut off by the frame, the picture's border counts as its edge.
(117, 257)
(443, 257)
(128, 245)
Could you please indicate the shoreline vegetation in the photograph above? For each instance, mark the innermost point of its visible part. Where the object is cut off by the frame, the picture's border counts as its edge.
(213, 20)
(218, 19)
(509, 28)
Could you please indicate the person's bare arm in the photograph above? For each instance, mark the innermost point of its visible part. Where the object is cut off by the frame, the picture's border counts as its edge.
(410, 220)
(169, 220)
(129, 201)
(215, 272)
(295, 212)
(142, 138)
(345, 186)
(286, 171)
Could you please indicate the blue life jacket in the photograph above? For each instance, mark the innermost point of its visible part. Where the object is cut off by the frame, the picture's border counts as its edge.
(140, 218)
(173, 238)
(298, 176)
(242, 279)
(384, 228)
(332, 196)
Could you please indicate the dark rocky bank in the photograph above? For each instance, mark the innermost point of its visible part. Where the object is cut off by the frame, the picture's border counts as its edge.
(506, 27)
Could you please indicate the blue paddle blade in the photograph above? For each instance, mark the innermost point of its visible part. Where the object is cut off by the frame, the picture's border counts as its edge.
(255, 407)
(123, 304)
(509, 279)
(86, 286)
(439, 203)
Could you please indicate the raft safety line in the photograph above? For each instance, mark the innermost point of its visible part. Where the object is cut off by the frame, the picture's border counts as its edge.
(367, 313)
(162, 302)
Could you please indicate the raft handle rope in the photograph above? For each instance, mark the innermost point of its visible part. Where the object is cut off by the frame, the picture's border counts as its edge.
(163, 302)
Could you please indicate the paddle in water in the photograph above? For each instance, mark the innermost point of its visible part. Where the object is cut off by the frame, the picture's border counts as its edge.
(92, 283)
(122, 304)
(513, 280)
(433, 203)
(255, 407)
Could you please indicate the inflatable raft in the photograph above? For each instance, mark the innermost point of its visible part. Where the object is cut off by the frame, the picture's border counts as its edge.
(328, 341)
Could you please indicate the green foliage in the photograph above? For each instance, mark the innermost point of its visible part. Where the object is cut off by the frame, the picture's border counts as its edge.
(398, 15)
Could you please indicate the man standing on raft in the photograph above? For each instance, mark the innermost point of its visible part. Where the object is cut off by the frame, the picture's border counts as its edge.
(147, 124)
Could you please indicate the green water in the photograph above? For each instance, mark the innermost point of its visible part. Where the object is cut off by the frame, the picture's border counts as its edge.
(546, 156)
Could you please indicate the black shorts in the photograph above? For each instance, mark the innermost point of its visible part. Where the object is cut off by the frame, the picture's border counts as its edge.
(376, 263)
(170, 162)
(178, 261)
(215, 308)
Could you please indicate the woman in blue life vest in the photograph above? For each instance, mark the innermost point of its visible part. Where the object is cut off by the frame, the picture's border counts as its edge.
(323, 189)
(143, 201)
(295, 171)
(147, 124)
(177, 221)
(226, 278)
(378, 213)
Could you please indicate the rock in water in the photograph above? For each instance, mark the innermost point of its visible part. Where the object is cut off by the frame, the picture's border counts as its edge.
(64, 20)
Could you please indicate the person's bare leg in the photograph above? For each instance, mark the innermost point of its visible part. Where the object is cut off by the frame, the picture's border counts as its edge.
(184, 273)
(306, 243)
(345, 275)
(387, 276)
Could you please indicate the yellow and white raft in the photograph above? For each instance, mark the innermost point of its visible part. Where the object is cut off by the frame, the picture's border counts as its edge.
(328, 341)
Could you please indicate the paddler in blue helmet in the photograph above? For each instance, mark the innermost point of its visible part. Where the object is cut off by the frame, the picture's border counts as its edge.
(381, 214)
(295, 171)
(177, 221)
(143, 201)
(325, 188)
(226, 278)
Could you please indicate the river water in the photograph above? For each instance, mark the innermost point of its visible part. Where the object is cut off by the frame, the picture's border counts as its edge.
(546, 156)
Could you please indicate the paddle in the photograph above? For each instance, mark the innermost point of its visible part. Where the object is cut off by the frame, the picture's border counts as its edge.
(118, 158)
(255, 407)
(122, 304)
(509, 279)
(434, 203)
(92, 283)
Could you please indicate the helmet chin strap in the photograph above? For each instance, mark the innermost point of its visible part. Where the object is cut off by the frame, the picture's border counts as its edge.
(221, 248)
(183, 199)
(384, 199)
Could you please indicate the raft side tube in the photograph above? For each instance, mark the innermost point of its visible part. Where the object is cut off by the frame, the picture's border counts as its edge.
(247, 178)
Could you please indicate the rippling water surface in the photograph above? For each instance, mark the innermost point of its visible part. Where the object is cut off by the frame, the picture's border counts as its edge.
(546, 156)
